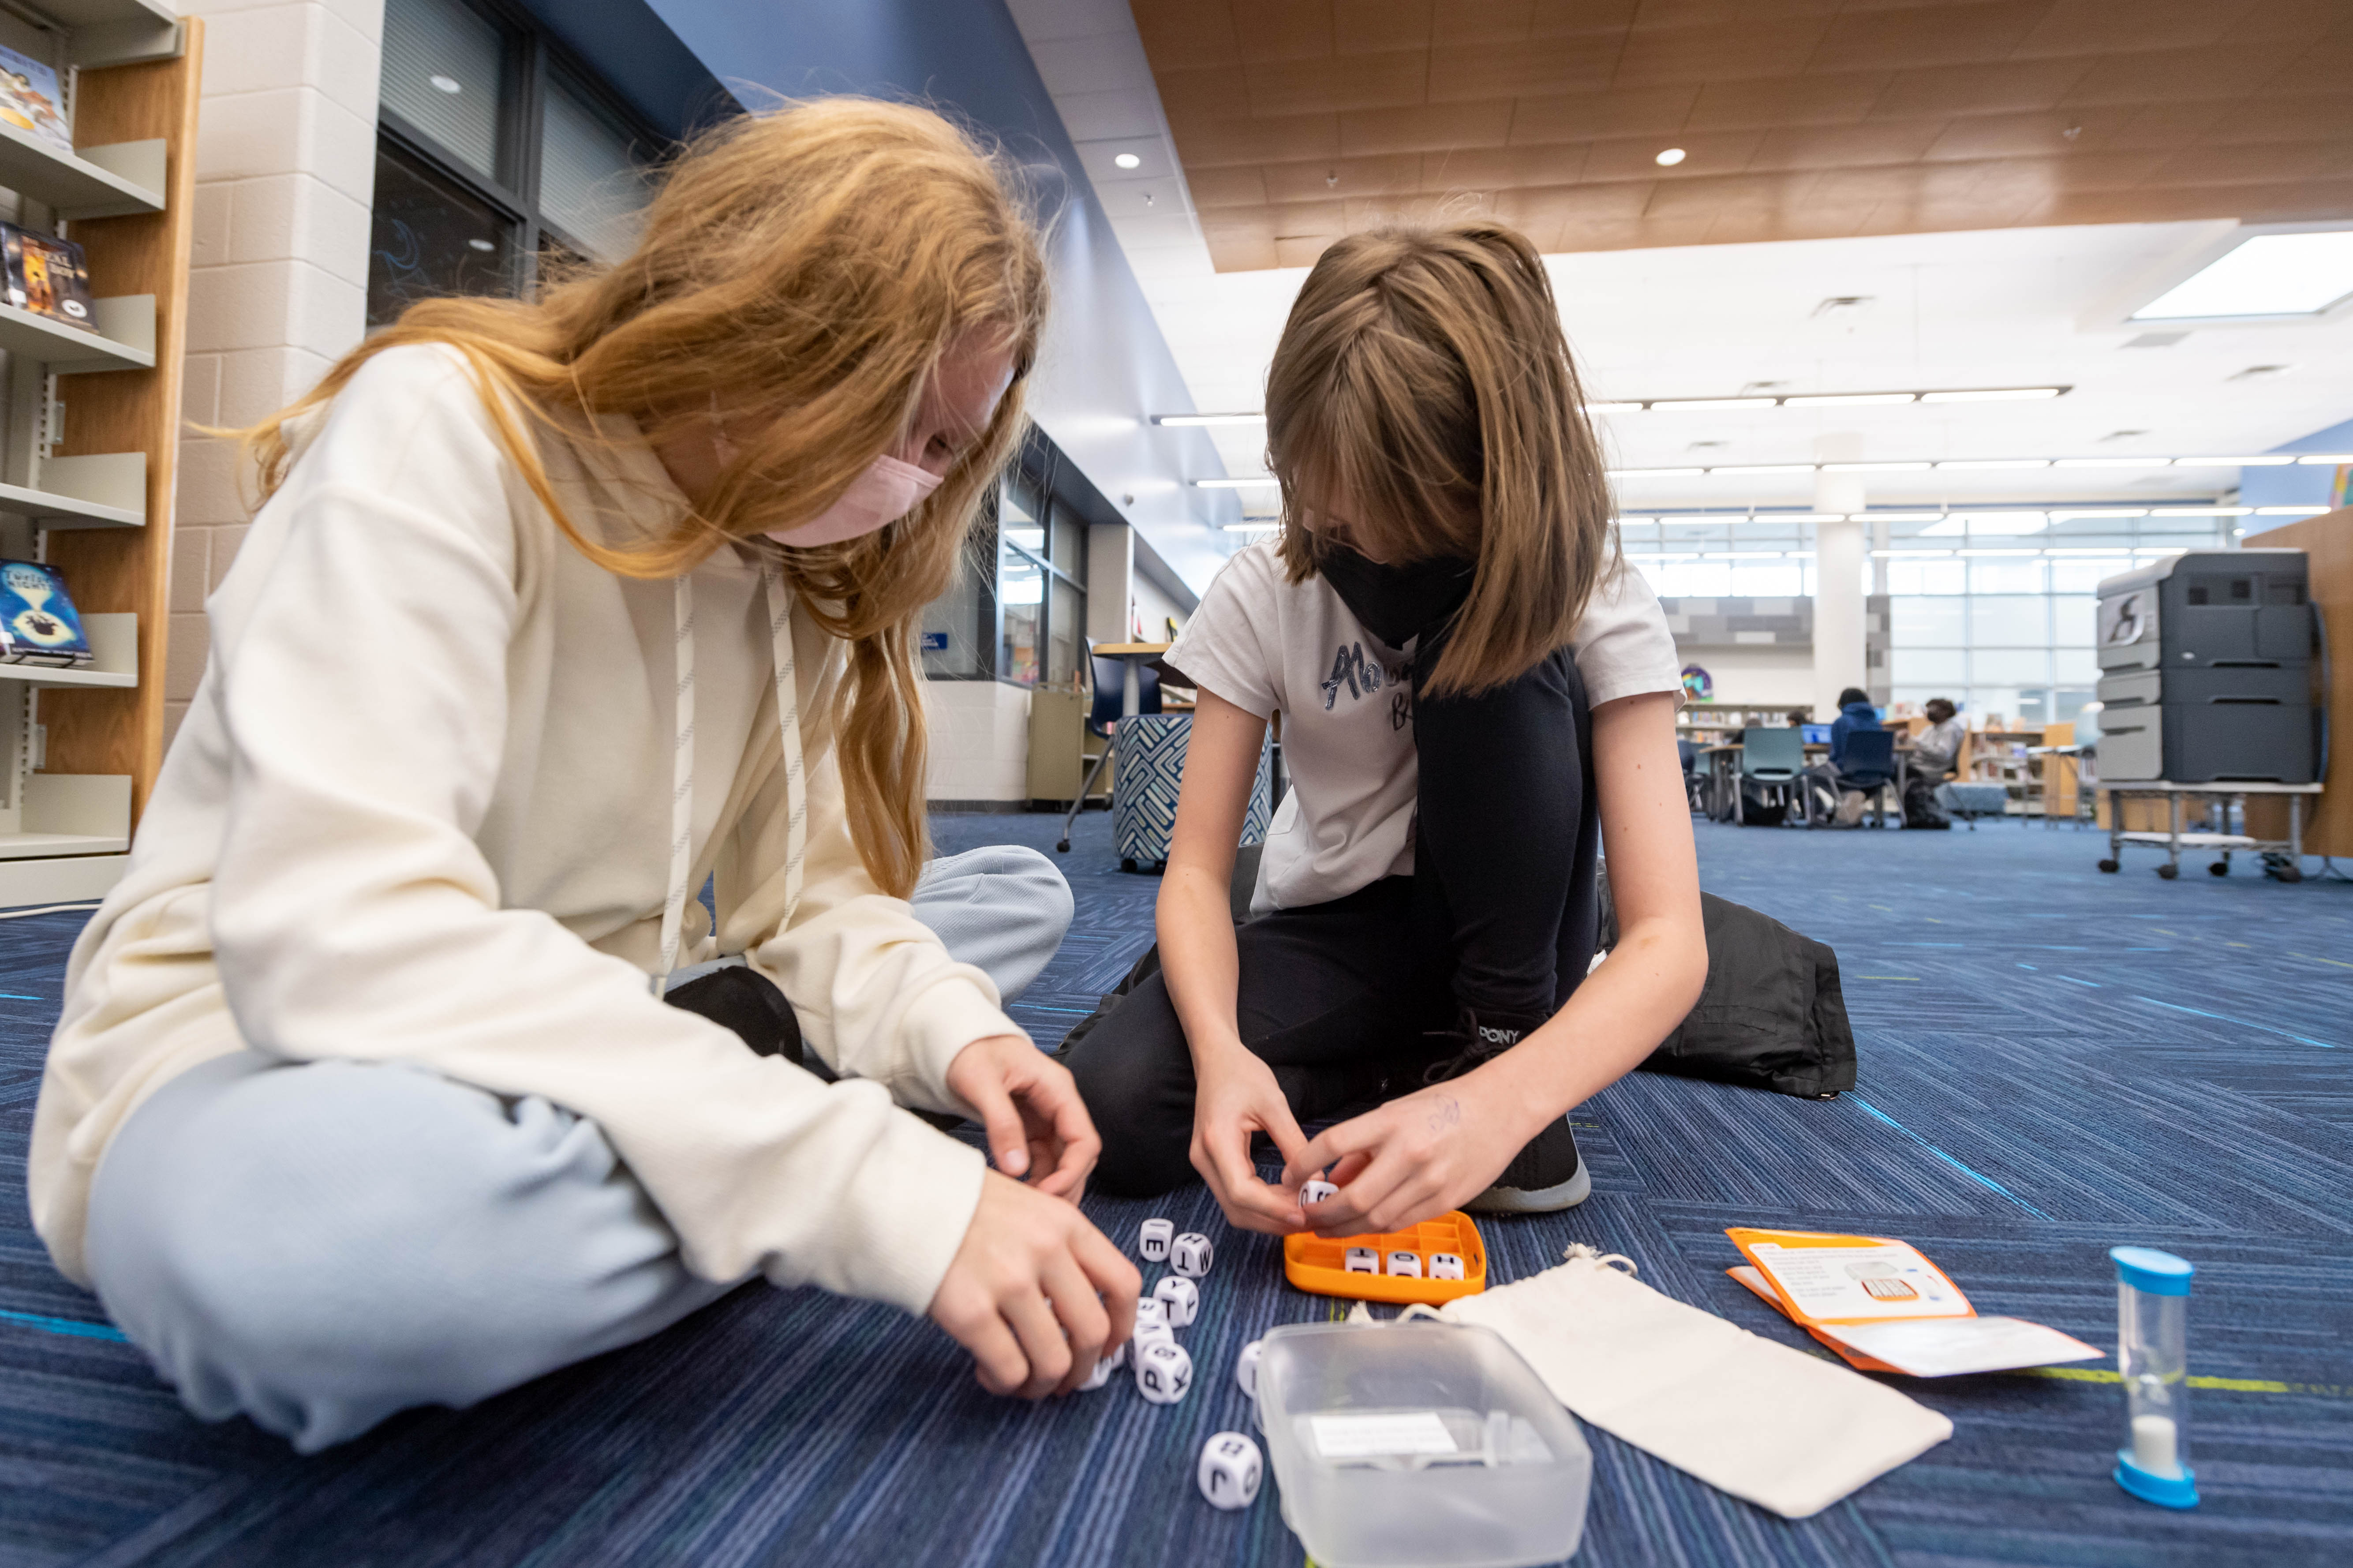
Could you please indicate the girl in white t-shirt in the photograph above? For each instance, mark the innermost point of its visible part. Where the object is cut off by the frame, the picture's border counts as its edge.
(1474, 697)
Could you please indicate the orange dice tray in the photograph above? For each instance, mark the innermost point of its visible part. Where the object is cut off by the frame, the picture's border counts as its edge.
(1319, 1265)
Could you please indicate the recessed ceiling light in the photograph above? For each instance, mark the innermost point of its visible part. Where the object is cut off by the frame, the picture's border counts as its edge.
(2267, 275)
(1670, 157)
(482, 245)
(1126, 161)
(445, 83)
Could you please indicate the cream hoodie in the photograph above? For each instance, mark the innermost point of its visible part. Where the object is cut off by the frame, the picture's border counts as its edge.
(421, 811)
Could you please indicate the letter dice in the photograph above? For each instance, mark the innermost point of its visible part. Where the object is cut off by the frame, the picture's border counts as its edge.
(1312, 1193)
(1230, 1471)
(1109, 1362)
(1246, 1367)
(1406, 1265)
(1151, 1312)
(1152, 1239)
(1163, 1371)
(1181, 1298)
(1445, 1265)
(1190, 1254)
(1363, 1260)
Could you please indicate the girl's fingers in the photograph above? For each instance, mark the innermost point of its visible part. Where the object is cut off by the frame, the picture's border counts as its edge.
(1083, 1317)
(1112, 1277)
(1008, 1140)
(997, 1358)
(1358, 1134)
(1042, 1342)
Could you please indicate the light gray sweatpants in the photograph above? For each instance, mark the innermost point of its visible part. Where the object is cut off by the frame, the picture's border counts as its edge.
(318, 1245)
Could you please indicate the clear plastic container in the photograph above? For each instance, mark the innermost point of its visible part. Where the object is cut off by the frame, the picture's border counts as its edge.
(1419, 1444)
(2153, 1357)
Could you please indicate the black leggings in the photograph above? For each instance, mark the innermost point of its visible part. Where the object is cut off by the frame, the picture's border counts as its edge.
(1351, 1000)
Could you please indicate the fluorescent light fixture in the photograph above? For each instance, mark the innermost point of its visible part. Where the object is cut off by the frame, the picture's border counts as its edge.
(1993, 395)
(1973, 554)
(1875, 467)
(1747, 555)
(1848, 399)
(1995, 523)
(1765, 469)
(2110, 463)
(1668, 157)
(2099, 513)
(1264, 526)
(1914, 554)
(2324, 460)
(2289, 510)
(1803, 517)
(1613, 408)
(1703, 404)
(1625, 522)
(1208, 419)
(1893, 516)
(1651, 473)
(1264, 481)
(1709, 517)
(1989, 465)
(2267, 275)
(2225, 512)
(2269, 461)
(1126, 161)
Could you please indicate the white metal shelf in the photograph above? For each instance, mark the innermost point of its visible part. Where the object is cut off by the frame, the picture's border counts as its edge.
(114, 646)
(125, 338)
(39, 846)
(94, 182)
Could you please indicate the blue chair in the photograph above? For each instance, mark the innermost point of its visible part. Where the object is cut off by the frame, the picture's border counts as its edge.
(1869, 766)
(1694, 782)
(1110, 676)
(1772, 761)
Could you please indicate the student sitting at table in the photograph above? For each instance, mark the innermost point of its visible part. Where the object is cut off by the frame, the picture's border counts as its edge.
(1935, 749)
(1833, 784)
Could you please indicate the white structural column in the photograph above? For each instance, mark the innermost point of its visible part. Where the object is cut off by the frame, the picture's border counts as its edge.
(277, 284)
(1839, 556)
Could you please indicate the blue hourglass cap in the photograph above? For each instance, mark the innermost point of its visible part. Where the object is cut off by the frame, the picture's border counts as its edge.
(2152, 1272)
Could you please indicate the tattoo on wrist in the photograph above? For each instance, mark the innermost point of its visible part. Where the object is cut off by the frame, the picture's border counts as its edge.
(1446, 1112)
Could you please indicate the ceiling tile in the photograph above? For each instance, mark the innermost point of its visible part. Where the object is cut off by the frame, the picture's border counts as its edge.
(1846, 146)
(1295, 138)
(2323, 116)
(1243, 253)
(1102, 116)
(1582, 117)
(1503, 168)
(1426, 128)
(1202, 94)
(2107, 27)
(2163, 75)
(1789, 100)
(1565, 19)
(1181, 35)
(1342, 179)
(2040, 134)
(2156, 126)
(1657, 13)
(1744, 193)
(1923, 36)
(1480, 21)
(2292, 21)
(2001, 88)
(1722, 54)
(1715, 153)
(1350, 81)
(2323, 66)
(1376, 27)
(1238, 186)
(2271, 163)
(1280, 29)
(1301, 250)
(1579, 63)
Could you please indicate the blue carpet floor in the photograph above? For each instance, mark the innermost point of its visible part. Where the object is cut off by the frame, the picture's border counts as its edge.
(2053, 1061)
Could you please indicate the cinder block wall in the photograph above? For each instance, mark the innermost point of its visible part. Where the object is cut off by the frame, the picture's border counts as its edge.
(278, 289)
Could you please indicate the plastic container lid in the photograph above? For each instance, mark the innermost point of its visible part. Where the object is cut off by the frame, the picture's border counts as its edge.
(2152, 1272)
(1419, 1444)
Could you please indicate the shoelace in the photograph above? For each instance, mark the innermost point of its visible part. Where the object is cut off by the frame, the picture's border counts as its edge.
(1475, 1055)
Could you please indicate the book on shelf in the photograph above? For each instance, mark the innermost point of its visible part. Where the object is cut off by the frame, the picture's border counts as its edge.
(38, 624)
(47, 276)
(29, 99)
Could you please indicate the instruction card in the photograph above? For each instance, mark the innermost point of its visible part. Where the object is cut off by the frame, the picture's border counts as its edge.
(1884, 1307)
(1383, 1436)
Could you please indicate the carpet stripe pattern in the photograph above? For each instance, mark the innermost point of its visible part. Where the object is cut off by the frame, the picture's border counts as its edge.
(2053, 1061)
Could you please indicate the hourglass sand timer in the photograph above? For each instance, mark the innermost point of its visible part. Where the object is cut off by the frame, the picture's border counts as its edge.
(2152, 1301)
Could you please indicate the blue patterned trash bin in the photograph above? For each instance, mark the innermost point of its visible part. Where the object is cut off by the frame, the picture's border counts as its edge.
(1147, 768)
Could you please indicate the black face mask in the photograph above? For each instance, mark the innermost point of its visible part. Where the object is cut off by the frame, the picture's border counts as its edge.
(1396, 604)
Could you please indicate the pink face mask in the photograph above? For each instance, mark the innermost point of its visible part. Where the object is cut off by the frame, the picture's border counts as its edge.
(886, 491)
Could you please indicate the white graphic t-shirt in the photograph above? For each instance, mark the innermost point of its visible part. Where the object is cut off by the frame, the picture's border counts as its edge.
(1268, 645)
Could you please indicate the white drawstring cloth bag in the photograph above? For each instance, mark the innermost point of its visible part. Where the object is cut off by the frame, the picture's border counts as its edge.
(1783, 1429)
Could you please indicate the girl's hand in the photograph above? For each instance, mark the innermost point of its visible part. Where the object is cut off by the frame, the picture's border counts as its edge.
(1039, 1130)
(1035, 1292)
(1235, 1096)
(1415, 1158)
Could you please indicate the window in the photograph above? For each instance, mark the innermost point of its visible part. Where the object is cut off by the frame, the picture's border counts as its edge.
(496, 156)
(1018, 610)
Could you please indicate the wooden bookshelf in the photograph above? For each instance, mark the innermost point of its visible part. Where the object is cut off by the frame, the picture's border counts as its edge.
(92, 436)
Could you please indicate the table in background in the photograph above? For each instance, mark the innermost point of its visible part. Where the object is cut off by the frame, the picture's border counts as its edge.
(1132, 656)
